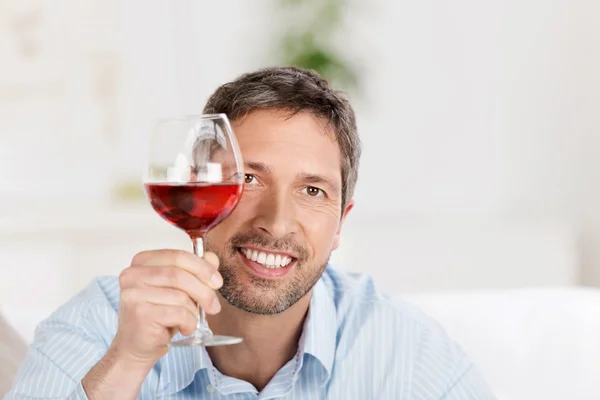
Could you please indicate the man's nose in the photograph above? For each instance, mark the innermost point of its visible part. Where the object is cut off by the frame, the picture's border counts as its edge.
(276, 214)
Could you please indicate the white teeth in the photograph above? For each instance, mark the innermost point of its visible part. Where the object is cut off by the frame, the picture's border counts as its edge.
(268, 260)
(262, 257)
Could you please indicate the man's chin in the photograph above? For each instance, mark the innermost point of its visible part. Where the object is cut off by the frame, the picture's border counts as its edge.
(254, 301)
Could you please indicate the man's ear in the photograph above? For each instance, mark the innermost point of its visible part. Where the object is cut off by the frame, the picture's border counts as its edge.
(336, 238)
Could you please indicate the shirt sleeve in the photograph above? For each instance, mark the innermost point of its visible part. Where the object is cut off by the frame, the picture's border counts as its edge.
(470, 385)
(56, 363)
(66, 346)
(443, 370)
(69, 343)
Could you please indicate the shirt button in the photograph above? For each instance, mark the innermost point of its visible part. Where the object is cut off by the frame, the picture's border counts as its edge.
(210, 388)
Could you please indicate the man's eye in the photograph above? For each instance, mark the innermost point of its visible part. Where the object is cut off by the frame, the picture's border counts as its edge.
(249, 179)
(313, 191)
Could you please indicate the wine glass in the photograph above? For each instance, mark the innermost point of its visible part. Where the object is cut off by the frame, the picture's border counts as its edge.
(194, 180)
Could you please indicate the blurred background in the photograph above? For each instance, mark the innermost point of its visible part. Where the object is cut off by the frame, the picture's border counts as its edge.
(479, 180)
(479, 120)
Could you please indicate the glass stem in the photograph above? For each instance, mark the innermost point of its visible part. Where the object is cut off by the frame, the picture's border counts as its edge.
(202, 326)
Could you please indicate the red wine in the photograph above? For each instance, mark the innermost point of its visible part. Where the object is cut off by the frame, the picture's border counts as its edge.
(193, 207)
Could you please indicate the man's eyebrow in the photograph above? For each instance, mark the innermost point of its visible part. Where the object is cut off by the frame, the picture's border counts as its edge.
(318, 179)
(253, 165)
(257, 166)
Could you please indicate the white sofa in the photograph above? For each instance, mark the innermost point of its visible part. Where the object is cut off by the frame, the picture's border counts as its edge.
(530, 344)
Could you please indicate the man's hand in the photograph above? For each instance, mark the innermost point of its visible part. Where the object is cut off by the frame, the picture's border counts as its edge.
(160, 294)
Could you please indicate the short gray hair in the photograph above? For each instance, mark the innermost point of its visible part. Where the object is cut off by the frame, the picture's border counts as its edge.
(296, 90)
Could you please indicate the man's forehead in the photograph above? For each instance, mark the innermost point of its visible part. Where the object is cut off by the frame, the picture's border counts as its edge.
(278, 129)
(300, 143)
(272, 120)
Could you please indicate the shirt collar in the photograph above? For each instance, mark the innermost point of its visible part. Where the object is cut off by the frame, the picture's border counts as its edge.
(179, 366)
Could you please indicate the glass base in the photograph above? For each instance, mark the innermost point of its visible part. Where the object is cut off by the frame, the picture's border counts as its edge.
(206, 341)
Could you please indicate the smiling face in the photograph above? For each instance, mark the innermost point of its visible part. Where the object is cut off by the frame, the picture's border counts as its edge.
(276, 243)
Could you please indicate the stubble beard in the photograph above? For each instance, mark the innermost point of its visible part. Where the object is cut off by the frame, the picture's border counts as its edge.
(264, 296)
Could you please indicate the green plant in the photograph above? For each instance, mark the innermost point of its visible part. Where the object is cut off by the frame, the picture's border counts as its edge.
(308, 40)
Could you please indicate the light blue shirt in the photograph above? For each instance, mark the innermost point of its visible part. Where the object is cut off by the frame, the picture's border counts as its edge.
(356, 344)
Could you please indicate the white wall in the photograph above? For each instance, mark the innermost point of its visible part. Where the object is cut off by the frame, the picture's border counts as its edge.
(482, 107)
(471, 109)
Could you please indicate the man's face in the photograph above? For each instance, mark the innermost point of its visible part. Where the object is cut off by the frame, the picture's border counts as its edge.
(276, 243)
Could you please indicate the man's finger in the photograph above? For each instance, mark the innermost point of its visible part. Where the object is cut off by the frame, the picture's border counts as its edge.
(204, 269)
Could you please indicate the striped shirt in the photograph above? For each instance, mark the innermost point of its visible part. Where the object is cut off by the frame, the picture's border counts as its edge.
(357, 343)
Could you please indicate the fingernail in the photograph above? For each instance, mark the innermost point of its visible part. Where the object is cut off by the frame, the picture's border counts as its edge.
(216, 281)
(216, 306)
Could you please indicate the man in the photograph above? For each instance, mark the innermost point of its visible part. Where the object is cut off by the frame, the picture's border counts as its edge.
(310, 332)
